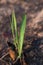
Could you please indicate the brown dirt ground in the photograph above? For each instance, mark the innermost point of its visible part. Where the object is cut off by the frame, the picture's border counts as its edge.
(33, 43)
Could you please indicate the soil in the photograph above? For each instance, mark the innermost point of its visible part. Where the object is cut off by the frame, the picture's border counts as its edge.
(33, 41)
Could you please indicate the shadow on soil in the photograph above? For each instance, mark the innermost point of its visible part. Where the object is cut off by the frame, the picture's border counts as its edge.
(34, 54)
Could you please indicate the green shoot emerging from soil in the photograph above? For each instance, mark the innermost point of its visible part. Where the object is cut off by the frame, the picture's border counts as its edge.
(18, 41)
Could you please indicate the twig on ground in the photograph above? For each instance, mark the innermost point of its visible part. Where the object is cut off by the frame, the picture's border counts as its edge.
(4, 56)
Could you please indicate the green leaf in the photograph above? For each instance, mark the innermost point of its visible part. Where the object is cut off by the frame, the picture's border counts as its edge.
(15, 28)
(22, 31)
(12, 26)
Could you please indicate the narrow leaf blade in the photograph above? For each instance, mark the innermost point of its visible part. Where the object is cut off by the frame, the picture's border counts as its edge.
(22, 31)
(12, 26)
(15, 27)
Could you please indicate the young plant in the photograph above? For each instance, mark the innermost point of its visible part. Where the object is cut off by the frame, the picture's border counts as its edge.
(18, 41)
